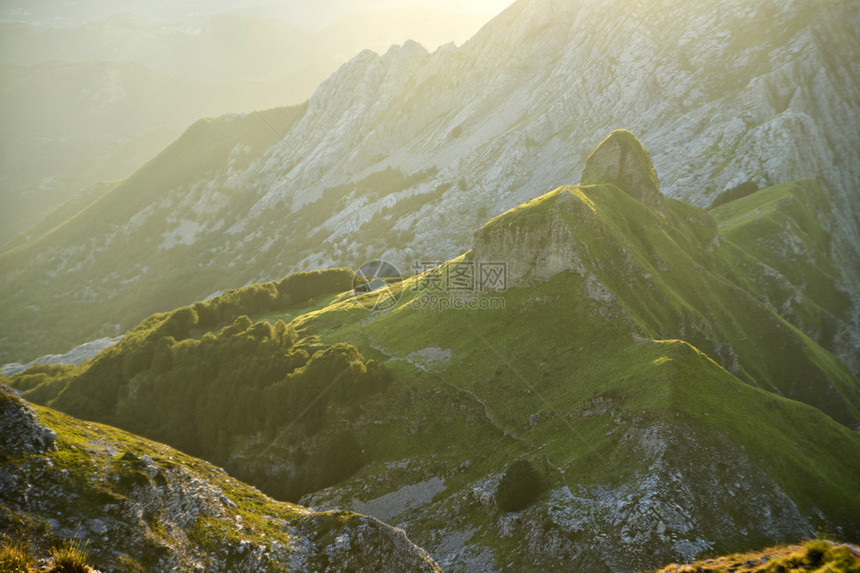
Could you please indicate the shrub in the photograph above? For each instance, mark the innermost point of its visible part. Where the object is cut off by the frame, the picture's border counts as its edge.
(71, 557)
(519, 487)
(819, 555)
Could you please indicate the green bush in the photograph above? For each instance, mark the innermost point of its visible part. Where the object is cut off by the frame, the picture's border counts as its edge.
(519, 487)
(819, 555)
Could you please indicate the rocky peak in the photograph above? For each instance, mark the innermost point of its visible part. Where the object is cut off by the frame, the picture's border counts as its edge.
(621, 160)
(20, 430)
(555, 232)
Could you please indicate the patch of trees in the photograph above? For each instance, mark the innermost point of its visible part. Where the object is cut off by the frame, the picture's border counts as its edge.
(203, 393)
(742, 190)
(519, 487)
(249, 379)
(273, 296)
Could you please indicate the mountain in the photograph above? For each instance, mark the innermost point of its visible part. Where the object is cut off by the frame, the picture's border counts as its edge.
(69, 125)
(143, 506)
(633, 360)
(402, 156)
(95, 101)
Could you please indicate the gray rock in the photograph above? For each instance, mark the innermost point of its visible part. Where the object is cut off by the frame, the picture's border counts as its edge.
(20, 430)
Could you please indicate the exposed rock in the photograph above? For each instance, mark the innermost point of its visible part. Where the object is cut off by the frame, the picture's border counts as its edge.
(539, 246)
(621, 160)
(137, 502)
(74, 356)
(351, 542)
(20, 430)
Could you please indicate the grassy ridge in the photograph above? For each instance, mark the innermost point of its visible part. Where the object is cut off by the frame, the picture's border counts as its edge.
(665, 272)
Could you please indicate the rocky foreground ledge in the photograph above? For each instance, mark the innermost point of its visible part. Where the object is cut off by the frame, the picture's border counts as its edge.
(138, 505)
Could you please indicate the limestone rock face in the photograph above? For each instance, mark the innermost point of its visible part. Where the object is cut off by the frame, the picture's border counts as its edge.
(623, 161)
(540, 249)
(20, 430)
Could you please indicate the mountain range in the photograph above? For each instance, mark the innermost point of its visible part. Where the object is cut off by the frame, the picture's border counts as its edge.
(402, 156)
(94, 101)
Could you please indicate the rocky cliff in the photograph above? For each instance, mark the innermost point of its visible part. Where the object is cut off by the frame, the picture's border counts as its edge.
(721, 92)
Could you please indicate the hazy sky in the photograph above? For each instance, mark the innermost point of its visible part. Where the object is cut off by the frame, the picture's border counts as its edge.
(306, 13)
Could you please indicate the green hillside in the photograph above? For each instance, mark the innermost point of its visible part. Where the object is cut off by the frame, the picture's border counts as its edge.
(632, 360)
(205, 378)
(780, 240)
(67, 125)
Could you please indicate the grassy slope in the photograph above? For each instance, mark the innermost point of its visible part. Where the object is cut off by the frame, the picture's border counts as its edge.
(661, 269)
(551, 356)
(554, 350)
(777, 239)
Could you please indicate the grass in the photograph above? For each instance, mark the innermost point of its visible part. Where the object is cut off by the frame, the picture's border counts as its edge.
(552, 351)
(780, 228)
(14, 556)
(70, 557)
(528, 380)
(556, 362)
(818, 556)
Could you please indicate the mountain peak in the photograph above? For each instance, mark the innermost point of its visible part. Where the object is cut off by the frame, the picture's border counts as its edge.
(622, 160)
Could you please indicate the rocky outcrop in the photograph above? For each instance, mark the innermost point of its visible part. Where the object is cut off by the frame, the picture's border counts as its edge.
(20, 430)
(540, 248)
(74, 356)
(622, 161)
(617, 234)
(140, 504)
